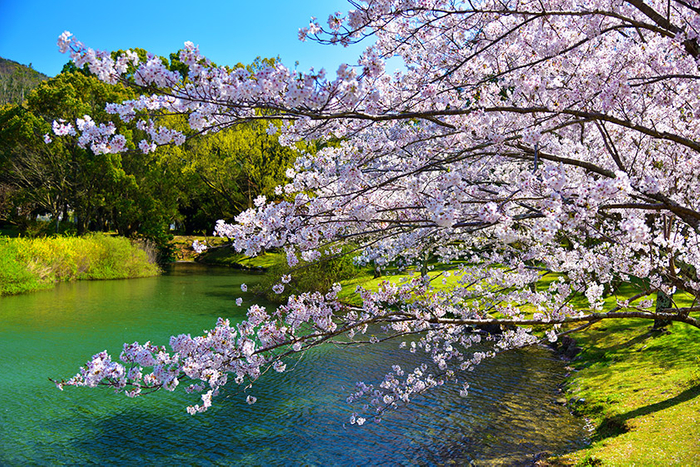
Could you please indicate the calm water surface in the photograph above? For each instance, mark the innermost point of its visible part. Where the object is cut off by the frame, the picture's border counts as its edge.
(300, 417)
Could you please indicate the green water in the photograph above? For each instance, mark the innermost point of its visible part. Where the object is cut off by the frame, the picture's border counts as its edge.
(300, 417)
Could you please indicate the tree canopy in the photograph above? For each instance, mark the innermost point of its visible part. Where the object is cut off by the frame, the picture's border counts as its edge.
(51, 178)
(524, 140)
(116, 186)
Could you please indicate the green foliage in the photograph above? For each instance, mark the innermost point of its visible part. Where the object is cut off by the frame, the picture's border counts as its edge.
(306, 277)
(15, 277)
(61, 176)
(226, 171)
(140, 195)
(32, 264)
(132, 193)
(16, 81)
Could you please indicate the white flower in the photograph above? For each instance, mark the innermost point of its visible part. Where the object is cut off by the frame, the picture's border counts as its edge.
(198, 247)
(594, 294)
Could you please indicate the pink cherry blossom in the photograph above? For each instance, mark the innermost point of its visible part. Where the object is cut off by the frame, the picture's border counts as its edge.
(519, 139)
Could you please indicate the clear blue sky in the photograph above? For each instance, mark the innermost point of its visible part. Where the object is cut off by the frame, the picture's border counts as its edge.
(227, 31)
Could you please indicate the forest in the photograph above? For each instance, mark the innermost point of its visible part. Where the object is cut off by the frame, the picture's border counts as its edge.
(65, 188)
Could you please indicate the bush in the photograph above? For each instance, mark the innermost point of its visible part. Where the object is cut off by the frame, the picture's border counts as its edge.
(32, 264)
(307, 277)
(15, 277)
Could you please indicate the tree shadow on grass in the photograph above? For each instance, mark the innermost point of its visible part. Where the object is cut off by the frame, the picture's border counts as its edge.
(629, 343)
(618, 424)
(684, 396)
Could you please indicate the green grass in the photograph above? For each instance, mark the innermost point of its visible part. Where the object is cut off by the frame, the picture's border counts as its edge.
(33, 264)
(226, 256)
(182, 245)
(639, 390)
(219, 253)
(365, 279)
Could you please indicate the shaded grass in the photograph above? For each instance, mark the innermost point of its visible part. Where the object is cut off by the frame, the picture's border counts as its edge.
(306, 277)
(33, 264)
(182, 245)
(220, 253)
(227, 256)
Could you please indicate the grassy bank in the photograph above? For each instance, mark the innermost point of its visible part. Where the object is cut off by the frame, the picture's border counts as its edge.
(33, 264)
(182, 245)
(640, 392)
(220, 253)
(229, 258)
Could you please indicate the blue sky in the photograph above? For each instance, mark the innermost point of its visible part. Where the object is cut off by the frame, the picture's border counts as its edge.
(227, 31)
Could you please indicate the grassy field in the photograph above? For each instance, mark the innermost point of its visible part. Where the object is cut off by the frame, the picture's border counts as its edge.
(28, 264)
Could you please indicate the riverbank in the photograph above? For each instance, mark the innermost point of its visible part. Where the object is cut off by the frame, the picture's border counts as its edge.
(29, 264)
(220, 253)
(640, 392)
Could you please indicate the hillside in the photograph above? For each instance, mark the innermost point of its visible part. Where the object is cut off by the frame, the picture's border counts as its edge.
(17, 80)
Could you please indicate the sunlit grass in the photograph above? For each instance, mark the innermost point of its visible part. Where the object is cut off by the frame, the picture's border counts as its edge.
(639, 389)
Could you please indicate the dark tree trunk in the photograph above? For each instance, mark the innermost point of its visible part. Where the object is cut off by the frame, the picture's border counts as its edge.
(663, 302)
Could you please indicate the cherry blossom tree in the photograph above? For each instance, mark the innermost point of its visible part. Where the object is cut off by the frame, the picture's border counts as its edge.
(521, 140)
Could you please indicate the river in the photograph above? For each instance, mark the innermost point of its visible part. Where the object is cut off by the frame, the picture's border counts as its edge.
(300, 417)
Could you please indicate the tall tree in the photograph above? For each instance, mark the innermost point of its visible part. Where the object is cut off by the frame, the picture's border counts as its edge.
(67, 174)
(226, 171)
(524, 138)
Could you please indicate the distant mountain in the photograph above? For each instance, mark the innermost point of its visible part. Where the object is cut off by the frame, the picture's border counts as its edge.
(16, 80)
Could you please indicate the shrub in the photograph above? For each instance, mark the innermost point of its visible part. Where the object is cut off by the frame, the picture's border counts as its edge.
(32, 264)
(307, 277)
